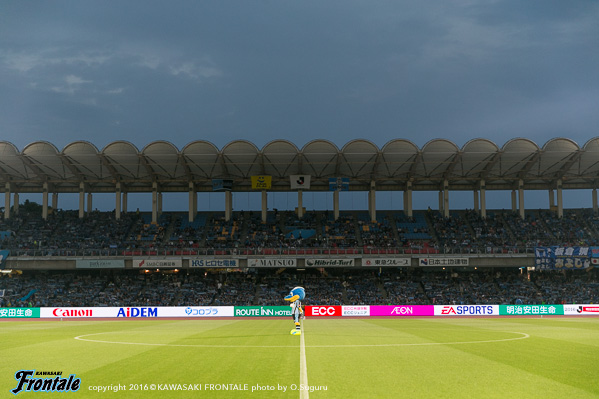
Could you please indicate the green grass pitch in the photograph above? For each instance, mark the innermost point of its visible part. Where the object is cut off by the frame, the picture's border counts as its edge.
(352, 358)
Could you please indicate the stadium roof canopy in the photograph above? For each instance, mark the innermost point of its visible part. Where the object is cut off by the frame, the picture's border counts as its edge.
(390, 167)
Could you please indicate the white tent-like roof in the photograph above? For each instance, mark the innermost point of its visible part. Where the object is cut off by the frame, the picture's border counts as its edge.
(389, 168)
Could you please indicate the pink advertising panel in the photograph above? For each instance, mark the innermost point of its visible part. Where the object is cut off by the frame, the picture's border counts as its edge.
(403, 310)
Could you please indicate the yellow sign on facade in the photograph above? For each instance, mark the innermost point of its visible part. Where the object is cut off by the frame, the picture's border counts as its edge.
(261, 182)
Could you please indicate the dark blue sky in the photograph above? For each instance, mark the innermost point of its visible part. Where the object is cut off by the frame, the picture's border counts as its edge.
(262, 70)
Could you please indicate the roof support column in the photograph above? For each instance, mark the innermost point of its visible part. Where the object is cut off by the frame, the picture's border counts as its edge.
(521, 197)
(117, 205)
(7, 201)
(372, 202)
(445, 198)
(154, 202)
(336, 204)
(595, 201)
(441, 202)
(81, 199)
(514, 203)
(125, 202)
(407, 200)
(264, 205)
(89, 203)
(228, 205)
(476, 206)
(551, 199)
(159, 205)
(45, 201)
(55, 201)
(300, 204)
(15, 206)
(193, 202)
(483, 199)
(560, 200)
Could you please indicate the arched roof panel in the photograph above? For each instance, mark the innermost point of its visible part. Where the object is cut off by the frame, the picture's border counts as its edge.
(241, 159)
(163, 158)
(83, 158)
(203, 160)
(398, 157)
(556, 154)
(517, 157)
(281, 159)
(124, 158)
(477, 156)
(42, 157)
(437, 156)
(359, 159)
(322, 159)
(11, 163)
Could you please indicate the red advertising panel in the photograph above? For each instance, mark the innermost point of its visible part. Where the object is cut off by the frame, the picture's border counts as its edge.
(323, 311)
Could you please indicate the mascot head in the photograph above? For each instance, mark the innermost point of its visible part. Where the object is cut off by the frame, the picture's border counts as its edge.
(295, 294)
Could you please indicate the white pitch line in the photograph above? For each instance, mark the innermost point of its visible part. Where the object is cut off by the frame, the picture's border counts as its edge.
(302, 343)
(304, 394)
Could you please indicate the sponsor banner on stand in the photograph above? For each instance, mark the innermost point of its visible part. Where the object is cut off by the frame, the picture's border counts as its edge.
(99, 263)
(262, 311)
(261, 182)
(562, 257)
(595, 262)
(357, 310)
(132, 311)
(329, 262)
(198, 311)
(6, 313)
(402, 310)
(300, 182)
(272, 262)
(437, 261)
(581, 310)
(157, 263)
(466, 310)
(213, 262)
(323, 311)
(386, 262)
(529, 310)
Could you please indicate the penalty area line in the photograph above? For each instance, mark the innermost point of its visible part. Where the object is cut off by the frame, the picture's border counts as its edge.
(304, 394)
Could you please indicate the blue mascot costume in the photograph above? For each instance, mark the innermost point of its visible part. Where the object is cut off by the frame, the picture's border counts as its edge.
(295, 297)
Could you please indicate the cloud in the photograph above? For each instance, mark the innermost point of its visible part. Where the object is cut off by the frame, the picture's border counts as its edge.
(195, 72)
(73, 84)
(26, 61)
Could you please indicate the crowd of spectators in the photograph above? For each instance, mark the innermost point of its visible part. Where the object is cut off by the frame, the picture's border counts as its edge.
(263, 287)
(98, 233)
